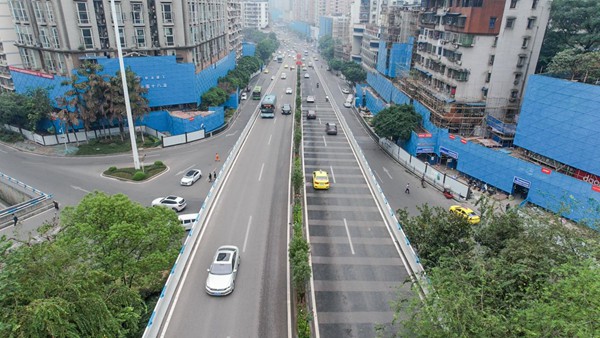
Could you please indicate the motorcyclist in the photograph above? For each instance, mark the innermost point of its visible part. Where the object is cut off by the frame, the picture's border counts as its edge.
(317, 85)
(326, 98)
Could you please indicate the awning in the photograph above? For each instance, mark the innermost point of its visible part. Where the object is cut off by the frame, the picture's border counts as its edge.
(423, 71)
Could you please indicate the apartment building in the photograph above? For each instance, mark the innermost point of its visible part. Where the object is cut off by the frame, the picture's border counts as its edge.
(234, 15)
(53, 36)
(9, 54)
(305, 11)
(473, 57)
(255, 14)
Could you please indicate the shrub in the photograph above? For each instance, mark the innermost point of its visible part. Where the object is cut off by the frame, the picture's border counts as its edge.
(112, 169)
(297, 177)
(159, 164)
(303, 322)
(139, 176)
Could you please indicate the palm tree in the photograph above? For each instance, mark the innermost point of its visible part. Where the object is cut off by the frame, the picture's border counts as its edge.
(116, 102)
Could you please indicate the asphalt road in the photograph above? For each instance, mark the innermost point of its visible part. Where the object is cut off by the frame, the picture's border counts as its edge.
(251, 212)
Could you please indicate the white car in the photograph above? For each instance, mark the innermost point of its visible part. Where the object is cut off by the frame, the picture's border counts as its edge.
(283, 76)
(191, 177)
(172, 202)
(222, 271)
(345, 90)
(306, 76)
(244, 96)
(310, 98)
(288, 90)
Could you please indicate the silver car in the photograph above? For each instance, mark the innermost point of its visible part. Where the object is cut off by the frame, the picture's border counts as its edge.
(191, 176)
(223, 270)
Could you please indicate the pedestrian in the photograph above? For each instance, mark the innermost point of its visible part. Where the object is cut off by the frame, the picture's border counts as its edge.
(215, 174)
(507, 206)
(407, 190)
(55, 205)
(15, 219)
(217, 158)
(210, 177)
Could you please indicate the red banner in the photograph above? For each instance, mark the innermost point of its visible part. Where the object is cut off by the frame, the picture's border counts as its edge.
(546, 171)
(452, 137)
(31, 72)
(587, 177)
(596, 188)
(424, 135)
(463, 141)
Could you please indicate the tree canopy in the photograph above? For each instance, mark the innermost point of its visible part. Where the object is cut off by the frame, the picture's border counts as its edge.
(25, 110)
(96, 277)
(326, 46)
(213, 97)
(514, 274)
(397, 122)
(353, 72)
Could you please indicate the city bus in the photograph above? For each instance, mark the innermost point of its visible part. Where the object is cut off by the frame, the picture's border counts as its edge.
(257, 93)
(267, 106)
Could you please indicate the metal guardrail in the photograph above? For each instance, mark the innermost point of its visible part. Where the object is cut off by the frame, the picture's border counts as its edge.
(25, 207)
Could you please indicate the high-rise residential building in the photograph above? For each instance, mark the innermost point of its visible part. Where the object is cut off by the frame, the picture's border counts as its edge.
(9, 54)
(338, 27)
(305, 11)
(473, 61)
(255, 14)
(54, 36)
(234, 15)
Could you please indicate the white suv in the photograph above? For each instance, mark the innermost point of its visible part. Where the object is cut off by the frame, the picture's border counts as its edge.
(173, 202)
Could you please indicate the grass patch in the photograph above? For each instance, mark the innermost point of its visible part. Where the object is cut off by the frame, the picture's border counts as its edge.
(114, 146)
(10, 136)
(133, 174)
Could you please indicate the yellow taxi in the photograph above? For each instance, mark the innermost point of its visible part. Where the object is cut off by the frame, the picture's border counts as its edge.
(466, 213)
(266, 70)
(285, 66)
(320, 179)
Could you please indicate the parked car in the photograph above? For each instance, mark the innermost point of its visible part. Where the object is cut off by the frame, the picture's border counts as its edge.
(320, 179)
(191, 177)
(466, 213)
(244, 96)
(286, 109)
(310, 99)
(345, 90)
(331, 128)
(223, 270)
(288, 90)
(266, 70)
(173, 202)
(311, 115)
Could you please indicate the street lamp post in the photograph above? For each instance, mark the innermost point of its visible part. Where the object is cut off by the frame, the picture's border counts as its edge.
(134, 150)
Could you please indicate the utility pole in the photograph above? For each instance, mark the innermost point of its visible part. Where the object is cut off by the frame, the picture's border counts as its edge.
(134, 150)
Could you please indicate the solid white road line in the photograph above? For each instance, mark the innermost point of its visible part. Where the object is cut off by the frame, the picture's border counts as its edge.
(261, 171)
(388, 173)
(80, 189)
(324, 141)
(332, 174)
(247, 233)
(349, 238)
(186, 169)
(377, 174)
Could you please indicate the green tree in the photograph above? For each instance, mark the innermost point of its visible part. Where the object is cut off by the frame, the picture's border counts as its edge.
(38, 106)
(25, 110)
(576, 22)
(326, 46)
(335, 64)
(213, 97)
(116, 109)
(353, 72)
(397, 122)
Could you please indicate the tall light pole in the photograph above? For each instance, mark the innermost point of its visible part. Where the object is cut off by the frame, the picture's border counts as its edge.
(134, 150)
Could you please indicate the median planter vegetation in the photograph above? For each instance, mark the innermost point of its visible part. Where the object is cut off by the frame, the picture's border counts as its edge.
(132, 174)
(299, 247)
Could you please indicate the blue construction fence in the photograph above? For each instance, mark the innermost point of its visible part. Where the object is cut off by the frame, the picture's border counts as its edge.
(248, 48)
(395, 61)
(563, 194)
(300, 27)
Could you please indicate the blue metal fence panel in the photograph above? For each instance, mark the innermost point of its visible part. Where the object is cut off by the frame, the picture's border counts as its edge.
(300, 27)
(248, 49)
(24, 82)
(325, 26)
(559, 119)
(209, 77)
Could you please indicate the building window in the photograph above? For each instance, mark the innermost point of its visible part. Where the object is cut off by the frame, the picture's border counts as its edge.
(167, 13)
(488, 77)
(534, 4)
(492, 22)
(137, 14)
(27, 58)
(510, 22)
(513, 3)
(37, 10)
(518, 77)
(49, 62)
(55, 40)
(122, 37)
(49, 11)
(525, 43)
(18, 11)
(24, 35)
(522, 60)
(530, 22)
(514, 94)
(169, 39)
(140, 37)
(62, 65)
(44, 39)
(86, 38)
(119, 10)
(82, 13)
(491, 60)
(495, 42)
